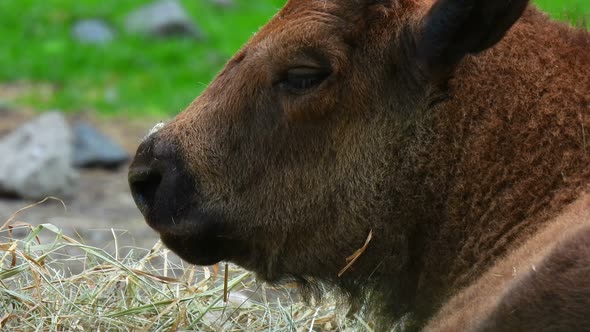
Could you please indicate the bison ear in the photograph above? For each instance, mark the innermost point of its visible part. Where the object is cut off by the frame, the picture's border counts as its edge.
(454, 28)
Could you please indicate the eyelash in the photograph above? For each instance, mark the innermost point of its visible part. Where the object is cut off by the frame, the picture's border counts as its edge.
(301, 83)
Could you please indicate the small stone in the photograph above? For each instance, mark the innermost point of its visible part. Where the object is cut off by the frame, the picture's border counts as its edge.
(36, 159)
(162, 18)
(92, 31)
(92, 149)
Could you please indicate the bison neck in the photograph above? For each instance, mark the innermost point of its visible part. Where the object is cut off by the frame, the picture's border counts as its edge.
(508, 150)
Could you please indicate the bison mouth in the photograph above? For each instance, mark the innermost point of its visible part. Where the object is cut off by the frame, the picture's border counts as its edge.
(171, 204)
(197, 237)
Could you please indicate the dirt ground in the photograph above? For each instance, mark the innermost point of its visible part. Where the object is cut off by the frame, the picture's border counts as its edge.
(102, 204)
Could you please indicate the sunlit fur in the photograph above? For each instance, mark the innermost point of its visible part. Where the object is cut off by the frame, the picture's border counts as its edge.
(451, 173)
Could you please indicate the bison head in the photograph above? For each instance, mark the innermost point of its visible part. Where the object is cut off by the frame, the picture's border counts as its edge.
(313, 135)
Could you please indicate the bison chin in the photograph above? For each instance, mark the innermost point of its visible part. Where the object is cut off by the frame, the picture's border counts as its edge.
(198, 250)
(195, 250)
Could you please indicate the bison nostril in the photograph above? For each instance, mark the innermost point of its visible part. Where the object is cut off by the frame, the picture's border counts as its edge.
(144, 185)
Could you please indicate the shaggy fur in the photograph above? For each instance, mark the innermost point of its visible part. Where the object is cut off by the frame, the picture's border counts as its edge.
(464, 164)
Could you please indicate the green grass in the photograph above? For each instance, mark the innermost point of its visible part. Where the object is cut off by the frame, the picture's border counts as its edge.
(133, 75)
(577, 12)
(130, 75)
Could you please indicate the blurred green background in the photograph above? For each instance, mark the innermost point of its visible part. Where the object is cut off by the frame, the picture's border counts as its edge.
(43, 67)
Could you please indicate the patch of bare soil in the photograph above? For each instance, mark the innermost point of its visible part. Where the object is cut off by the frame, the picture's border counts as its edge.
(102, 205)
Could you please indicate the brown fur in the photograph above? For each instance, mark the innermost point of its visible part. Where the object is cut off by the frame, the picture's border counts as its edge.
(527, 282)
(459, 178)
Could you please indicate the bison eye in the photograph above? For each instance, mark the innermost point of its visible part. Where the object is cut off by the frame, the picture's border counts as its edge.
(301, 80)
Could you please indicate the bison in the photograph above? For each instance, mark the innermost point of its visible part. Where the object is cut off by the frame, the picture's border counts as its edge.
(449, 140)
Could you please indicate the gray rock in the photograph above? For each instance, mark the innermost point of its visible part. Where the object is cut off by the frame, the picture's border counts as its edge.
(92, 31)
(93, 149)
(36, 159)
(162, 18)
